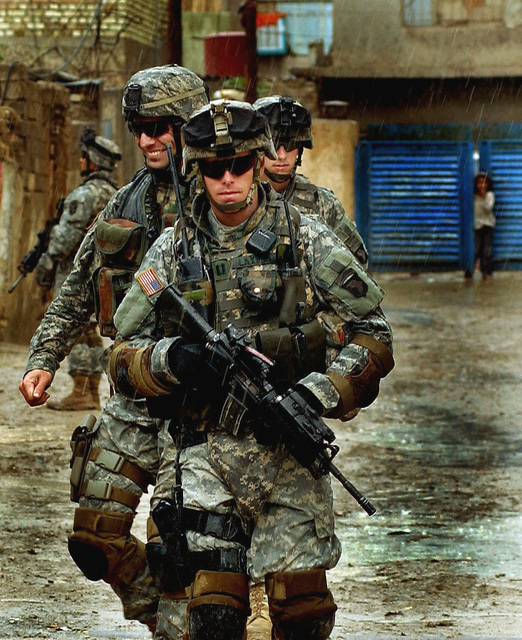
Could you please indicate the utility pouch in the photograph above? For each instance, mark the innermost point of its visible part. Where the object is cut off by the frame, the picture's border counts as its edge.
(296, 352)
(278, 346)
(294, 297)
(121, 241)
(110, 287)
(309, 349)
(81, 444)
(258, 287)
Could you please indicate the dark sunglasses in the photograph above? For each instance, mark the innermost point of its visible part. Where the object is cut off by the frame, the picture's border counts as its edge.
(152, 128)
(215, 169)
(289, 145)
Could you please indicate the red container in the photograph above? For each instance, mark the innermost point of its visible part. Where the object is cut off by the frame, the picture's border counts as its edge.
(225, 54)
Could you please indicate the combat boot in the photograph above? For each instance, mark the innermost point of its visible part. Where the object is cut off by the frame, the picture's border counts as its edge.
(80, 398)
(94, 385)
(259, 625)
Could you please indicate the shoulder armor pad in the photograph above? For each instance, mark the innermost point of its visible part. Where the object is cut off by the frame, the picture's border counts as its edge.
(342, 276)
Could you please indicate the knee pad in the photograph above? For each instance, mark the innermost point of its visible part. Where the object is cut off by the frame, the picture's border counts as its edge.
(301, 605)
(218, 606)
(103, 548)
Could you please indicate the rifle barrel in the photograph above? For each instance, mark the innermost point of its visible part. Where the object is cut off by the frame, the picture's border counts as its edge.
(352, 490)
(17, 282)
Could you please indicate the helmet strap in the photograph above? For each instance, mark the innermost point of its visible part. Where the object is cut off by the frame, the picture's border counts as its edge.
(87, 171)
(279, 178)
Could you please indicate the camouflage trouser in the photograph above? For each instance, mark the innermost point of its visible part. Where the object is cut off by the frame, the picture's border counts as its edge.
(125, 427)
(292, 513)
(85, 357)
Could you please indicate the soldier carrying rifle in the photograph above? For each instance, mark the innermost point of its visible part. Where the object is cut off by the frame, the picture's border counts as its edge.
(247, 501)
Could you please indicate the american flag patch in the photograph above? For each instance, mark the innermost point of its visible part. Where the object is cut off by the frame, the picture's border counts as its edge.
(149, 281)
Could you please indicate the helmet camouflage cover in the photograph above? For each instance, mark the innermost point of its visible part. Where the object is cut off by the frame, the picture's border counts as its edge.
(225, 128)
(101, 151)
(168, 91)
(289, 121)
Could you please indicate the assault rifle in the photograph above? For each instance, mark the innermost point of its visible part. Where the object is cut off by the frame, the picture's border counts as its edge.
(29, 261)
(243, 374)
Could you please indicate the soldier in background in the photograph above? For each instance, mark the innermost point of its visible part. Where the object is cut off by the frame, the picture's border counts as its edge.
(97, 164)
(247, 510)
(117, 459)
(290, 124)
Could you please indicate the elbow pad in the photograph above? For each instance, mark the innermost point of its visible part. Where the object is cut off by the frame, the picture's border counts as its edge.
(130, 372)
(360, 391)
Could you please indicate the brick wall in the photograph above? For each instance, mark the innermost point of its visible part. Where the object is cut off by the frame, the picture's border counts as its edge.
(139, 20)
(35, 157)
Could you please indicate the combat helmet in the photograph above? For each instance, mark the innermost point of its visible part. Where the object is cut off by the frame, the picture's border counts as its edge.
(289, 121)
(99, 150)
(222, 129)
(168, 91)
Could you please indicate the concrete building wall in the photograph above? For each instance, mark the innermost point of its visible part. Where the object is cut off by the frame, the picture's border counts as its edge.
(34, 159)
(331, 163)
(467, 38)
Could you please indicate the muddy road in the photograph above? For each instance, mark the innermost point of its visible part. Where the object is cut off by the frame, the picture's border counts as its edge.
(438, 454)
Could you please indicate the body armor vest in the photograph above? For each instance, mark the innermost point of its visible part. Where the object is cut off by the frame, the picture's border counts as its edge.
(251, 287)
(100, 175)
(305, 195)
(122, 242)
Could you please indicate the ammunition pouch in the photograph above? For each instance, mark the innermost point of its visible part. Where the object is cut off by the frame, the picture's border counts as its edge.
(296, 351)
(294, 297)
(110, 286)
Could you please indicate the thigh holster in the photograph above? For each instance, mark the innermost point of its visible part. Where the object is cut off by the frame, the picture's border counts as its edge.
(83, 452)
(301, 605)
(218, 606)
(102, 547)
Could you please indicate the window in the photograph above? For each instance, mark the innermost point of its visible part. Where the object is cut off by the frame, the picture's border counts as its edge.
(418, 13)
(307, 22)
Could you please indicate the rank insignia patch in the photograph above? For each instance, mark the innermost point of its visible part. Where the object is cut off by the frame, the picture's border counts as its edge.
(149, 282)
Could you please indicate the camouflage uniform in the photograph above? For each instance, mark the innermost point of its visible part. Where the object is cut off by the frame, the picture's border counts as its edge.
(79, 211)
(123, 458)
(313, 200)
(290, 122)
(287, 514)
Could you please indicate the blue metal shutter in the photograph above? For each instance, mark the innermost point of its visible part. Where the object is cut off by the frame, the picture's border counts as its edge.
(502, 159)
(414, 204)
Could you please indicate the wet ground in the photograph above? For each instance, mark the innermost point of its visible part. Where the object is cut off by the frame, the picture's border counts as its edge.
(438, 454)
